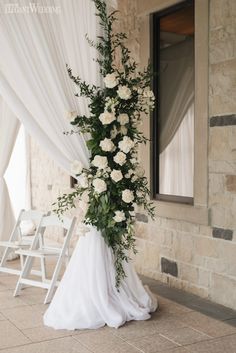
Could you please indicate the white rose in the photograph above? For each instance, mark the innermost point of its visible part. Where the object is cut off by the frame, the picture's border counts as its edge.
(148, 93)
(76, 167)
(83, 181)
(119, 216)
(71, 116)
(128, 175)
(124, 92)
(99, 185)
(120, 158)
(106, 145)
(116, 175)
(140, 171)
(123, 119)
(139, 194)
(126, 144)
(114, 132)
(110, 80)
(100, 162)
(127, 196)
(123, 130)
(134, 178)
(107, 118)
(133, 160)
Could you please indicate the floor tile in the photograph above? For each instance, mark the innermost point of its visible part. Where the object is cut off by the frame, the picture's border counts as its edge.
(61, 345)
(168, 322)
(177, 350)
(231, 322)
(104, 342)
(32, 297)
(185, 335)
(170, 307)
(133, 330)
(207, 325)
(10, 336)
(153, 343)
(225, 344)
(39, 334)
(2, 317)
(26, 316)
(8, 282)
(8, 301)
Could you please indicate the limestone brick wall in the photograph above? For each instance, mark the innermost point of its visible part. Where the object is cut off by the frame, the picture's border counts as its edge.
(48, 181)
(197, 258)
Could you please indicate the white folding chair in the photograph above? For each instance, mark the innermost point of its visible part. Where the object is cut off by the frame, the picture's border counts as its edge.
(18, 240)
(39, 250)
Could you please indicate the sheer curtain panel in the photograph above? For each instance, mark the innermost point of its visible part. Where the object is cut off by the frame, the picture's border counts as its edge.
(9, 126)
(34, 81)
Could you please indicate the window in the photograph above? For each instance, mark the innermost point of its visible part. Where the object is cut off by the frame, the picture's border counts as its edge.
(16, 174)
(173, 120)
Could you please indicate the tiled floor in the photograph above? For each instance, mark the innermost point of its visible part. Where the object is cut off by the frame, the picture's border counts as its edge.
(183, 324)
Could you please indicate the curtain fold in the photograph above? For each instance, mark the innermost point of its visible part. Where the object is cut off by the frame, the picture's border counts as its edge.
(9, 126)
(177, 160)
(176, 88)
(34, 81)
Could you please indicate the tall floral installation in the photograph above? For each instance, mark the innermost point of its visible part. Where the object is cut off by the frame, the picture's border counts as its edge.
(114, 185)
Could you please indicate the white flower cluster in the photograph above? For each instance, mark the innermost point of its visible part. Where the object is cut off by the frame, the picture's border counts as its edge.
(110, 104)
(110, 80)
(100, 162)
(120, 158)
(76, 167)
(119, 216)
(126, 144)
(99, 180)
(116, 175)
(71, 116)
(123, 119)
(106, 118)
(107, 145)
(99, 185)
(146, 99)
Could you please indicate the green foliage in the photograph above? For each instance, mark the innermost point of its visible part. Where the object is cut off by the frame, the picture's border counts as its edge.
(103, 205)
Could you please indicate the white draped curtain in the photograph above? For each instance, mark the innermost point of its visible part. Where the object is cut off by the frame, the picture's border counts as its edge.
(176, 88)
(9, 126)
(176, 139)
(34, 80)
(34, 83)
(177, 160)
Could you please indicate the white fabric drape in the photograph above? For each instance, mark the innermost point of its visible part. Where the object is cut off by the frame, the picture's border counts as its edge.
(9, 126)
(15, 175)
(87, 297)
(177, 160)
(176, 88)
(34, 51)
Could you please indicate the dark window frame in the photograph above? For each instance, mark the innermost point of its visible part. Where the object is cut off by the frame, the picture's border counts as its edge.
(155, 64)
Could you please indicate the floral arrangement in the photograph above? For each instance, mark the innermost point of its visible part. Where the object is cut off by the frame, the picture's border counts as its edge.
(115, 183)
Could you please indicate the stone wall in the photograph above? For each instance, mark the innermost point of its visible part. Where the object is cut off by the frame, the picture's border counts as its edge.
(197, 258)
(193, 257)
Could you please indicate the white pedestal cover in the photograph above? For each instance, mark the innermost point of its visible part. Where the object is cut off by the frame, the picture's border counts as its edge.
(87, 297)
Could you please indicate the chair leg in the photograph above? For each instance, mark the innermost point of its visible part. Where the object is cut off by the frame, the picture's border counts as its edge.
(49, 294)
(24, 274)
(67, 256)
(6, 252)
(22, 261)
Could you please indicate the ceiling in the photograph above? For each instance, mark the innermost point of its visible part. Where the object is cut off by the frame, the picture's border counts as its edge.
(179, 22)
